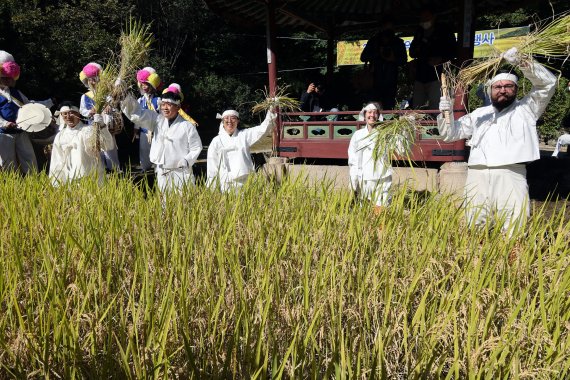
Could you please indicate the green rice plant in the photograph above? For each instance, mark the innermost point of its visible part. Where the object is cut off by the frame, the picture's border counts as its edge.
(294, 281)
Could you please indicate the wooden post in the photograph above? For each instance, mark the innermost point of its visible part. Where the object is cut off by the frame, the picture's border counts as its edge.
(272, 68)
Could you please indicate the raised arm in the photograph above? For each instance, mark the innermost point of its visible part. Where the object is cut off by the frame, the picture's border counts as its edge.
(453, 130)
(252, 135)
(140, 117)
(543, 87)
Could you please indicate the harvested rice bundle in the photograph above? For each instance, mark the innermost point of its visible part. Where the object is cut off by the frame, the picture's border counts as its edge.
(135, 44)
(395, 137)
(548, 40)
(102, 99)
(281, 100)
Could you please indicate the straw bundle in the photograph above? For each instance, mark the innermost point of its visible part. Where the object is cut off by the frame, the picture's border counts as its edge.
(395, 137)
(548, 40)
(281, 100)
(135, 44)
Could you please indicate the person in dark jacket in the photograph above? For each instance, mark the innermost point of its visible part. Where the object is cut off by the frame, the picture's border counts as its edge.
(433, 45)
(386, 53)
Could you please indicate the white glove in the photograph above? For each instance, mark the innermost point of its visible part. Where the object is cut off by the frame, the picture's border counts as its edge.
(98, 118)
(182, 163)
(119, 82)
(512, 56)
(444, 104)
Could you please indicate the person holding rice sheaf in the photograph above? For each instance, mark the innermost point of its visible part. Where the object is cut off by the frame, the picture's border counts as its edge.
(175, 144)
(229, 158)
(89, 76)
(503, 138)
(71, 157)
(370, 178)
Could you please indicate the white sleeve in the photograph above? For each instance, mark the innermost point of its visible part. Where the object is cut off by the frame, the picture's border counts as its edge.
(252, 135)
(543, 88)
(107, 142)
(140, 117)
(353, 163)
(213, 163)
(194, 144)
(459, 129)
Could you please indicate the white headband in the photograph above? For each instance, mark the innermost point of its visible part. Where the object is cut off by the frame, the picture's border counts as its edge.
(68, 108)
(230, 113)
(368, 107)
(171, 101)
(504, 76)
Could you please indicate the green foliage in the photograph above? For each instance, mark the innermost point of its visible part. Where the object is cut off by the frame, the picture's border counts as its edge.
(551, 123)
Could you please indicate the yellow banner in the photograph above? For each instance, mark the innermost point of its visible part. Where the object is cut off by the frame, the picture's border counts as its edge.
(348, 52)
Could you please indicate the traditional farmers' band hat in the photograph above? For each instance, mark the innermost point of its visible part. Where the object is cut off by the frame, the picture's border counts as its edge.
(174, 87)
(91, 70)
(8, 66)
(149, 75)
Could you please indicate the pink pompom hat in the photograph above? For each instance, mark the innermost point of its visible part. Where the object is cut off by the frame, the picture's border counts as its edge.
(90, 70)
(8, 66)
(149, 75)
(175, 88)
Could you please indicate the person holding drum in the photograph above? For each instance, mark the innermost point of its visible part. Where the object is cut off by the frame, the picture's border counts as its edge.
(16, 150)
(73, 153)
(89, 76)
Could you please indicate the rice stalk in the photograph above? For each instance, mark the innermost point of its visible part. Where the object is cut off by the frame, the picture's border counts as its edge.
(395, 137)
(550, 40)
(102, 99)
(281, 100)
(135, 44)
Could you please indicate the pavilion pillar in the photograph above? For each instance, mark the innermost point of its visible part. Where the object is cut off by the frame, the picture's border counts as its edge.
(272, 68)
(271, 56)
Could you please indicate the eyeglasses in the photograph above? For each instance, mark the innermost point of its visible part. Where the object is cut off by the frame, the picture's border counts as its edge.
(505, 86)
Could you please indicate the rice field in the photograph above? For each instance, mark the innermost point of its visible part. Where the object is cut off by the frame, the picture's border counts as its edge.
(289, 281)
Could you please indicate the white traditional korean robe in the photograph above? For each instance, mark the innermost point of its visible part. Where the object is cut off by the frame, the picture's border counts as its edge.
(70, 158)
(502, 142)
(229, 157)
(172, 145)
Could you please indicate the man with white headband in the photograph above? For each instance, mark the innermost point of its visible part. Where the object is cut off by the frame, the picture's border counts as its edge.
(369, 178)
(71, 156)
(229, 157)
(503, 139)
(176, 144)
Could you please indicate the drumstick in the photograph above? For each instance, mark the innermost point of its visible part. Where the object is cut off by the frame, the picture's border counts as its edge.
(445, 92)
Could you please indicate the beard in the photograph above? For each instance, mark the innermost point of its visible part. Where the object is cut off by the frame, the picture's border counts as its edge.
(503, 102)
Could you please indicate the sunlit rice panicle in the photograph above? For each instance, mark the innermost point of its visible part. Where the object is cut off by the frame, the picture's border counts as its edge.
(396, 137)
(281, 100)
(135, 44)
(549, 40)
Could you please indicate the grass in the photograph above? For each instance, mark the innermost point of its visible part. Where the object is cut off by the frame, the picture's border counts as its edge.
(286, 282)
